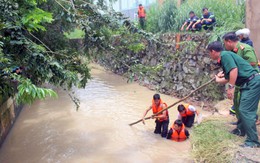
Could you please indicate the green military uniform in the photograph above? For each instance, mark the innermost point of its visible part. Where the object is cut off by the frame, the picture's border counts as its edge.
(248, 80)
(247, 53)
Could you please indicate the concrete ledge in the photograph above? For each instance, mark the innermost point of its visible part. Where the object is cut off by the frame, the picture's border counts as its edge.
(9, 111)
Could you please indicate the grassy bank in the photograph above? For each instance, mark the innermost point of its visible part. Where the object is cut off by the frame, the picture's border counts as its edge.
(212, 142)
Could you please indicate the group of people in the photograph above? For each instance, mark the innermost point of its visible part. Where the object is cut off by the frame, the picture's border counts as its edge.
(194, 23)
(241, 72)
(177, 132)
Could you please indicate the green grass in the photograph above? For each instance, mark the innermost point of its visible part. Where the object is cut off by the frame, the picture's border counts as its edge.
(76, 34)
(211, 142)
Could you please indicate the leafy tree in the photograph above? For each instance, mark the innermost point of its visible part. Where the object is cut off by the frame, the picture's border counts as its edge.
(32, 39)
(27, 45)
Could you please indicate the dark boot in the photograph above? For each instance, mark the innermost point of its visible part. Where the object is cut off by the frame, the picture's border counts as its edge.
(238, 132)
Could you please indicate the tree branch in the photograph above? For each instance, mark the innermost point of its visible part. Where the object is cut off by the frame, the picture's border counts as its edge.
(39, 41)
(62, 6)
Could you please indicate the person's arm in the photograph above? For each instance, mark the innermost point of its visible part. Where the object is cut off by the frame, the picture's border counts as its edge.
(191, 23)
(232, 81)
(230, 68)
(169, 135)
(210, 19)
(163, 115)
(179, 116)
(221, 80)
(232, 77)
(146, 111)
(197, 22)
(182, 27)
(187, 133)
(193, 109)
(250, 56)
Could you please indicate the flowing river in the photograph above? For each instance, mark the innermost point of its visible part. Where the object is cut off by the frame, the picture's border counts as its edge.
(52, 131)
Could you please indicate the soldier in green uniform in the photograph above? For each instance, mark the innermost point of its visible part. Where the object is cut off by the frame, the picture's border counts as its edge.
(245, 51)
(238, 72)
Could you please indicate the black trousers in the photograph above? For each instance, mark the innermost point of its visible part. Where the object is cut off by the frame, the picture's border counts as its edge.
(188, 121)
(142, 22)
(161, 127)
(197, 27)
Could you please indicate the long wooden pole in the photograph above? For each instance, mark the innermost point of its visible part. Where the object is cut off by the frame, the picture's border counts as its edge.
(184, 98)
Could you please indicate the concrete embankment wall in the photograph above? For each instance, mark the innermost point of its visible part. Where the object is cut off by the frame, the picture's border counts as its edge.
(183, 68)
(9, 111)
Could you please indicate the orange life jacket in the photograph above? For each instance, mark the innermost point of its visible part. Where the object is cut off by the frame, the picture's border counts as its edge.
(157, 109)
(187, 111)
(178, 136)
(141, 12)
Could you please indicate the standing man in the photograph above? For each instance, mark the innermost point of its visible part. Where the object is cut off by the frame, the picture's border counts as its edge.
(238, 72)
(207, 20)
(162, 120)
(245, 51)
(189, 22)
(141, 15)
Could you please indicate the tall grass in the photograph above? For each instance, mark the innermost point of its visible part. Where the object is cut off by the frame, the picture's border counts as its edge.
(229, 15)
(162, 19)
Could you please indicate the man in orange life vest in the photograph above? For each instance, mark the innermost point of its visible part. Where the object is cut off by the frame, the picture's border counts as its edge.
(141, 15)
(162, 120)
(178, 132)
(187, 114)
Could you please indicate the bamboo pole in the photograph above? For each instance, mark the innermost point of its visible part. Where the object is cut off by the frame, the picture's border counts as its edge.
(184, 98)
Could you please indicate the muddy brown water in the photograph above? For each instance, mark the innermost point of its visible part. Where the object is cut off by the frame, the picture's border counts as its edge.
(53, 131)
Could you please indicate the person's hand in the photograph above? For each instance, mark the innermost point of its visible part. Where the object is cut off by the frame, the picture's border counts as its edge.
(143, 120)
(230, 93)
(182, 28)
(221, 74)
(187, 28)
(218, 79)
